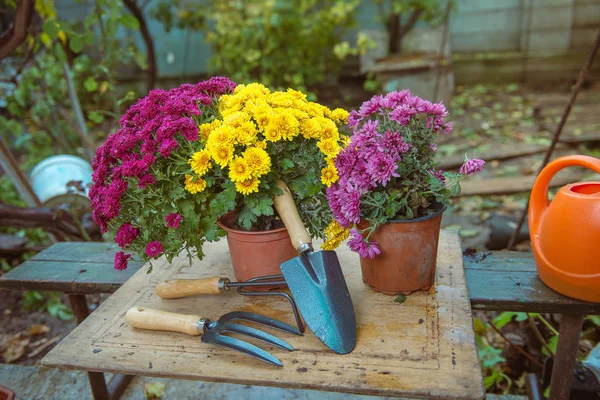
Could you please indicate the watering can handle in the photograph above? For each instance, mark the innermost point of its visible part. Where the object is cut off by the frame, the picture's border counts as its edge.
(286, 207)
(539, 194)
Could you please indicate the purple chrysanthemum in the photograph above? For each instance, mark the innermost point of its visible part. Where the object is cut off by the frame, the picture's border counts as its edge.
(146, 180)
(472, 166)
(121, 260)
(381, 168)
(350, 205)
(363, 248)
(126, 234)
(439, 175)
(173, 220)
(154, 249)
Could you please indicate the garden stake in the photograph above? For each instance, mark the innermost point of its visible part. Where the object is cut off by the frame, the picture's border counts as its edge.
(213, 332)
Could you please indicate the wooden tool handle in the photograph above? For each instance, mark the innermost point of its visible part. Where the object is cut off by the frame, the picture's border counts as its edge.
(158, 320)
(286, 207)
(178, 288)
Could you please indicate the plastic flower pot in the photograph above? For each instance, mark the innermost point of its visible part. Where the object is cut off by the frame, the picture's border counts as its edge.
(49, 181)
(255, 254)
(408, 255)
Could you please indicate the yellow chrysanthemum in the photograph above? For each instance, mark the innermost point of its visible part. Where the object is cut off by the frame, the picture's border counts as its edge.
(329, 147)
(254, 90)
(200, 162)
(340, 116)
(298, 114)
(262, 120)
(246, 133)
(208, 127)
(329, 174)
(239, 170)
(222, 136)
(280, 99)
(236, 119)
(229, 104)
(257, 160)
(345, 139)
(261, 144)
(257, 106)
(295, 94)
(222, 154)
(282, 126)
(248, 186)
(310, 128)
(328, 129)
(194, 184)
(335, 234)
(314, 110)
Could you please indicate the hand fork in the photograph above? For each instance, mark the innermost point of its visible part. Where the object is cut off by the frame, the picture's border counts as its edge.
(213, 331)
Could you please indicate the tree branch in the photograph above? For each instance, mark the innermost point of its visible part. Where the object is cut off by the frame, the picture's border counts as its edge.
(16, 34)
(401, 30)
(151, 56)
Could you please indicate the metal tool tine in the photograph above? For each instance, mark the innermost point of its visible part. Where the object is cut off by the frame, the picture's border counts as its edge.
(257, 334)
(261, 319)
(241, 346)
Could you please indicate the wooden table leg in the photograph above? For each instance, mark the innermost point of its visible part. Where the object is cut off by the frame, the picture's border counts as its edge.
(566, 353)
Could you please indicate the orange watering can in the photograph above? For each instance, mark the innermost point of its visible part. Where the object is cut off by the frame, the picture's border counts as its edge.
(565, 233)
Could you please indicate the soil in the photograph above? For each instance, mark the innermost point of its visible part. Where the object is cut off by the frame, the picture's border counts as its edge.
(262, 224)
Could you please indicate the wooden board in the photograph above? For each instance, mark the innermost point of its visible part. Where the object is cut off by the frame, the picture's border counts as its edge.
(423, 348)
(499, 152)
(508, 281)
(516, 184)
(70, 267)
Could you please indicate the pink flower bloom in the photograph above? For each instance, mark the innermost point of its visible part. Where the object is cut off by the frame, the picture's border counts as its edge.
(126, 234)
(350, 205)
(121, 260)
(370, 106)
(353, 119)
(362, 247)
(402, 114)
(154, 249)
(439, 175)
(433, 147)
(472, 166)
(173, 220)
(448, 128)
(381, 168)
(393, 142)
(167, 147)
(146, 180)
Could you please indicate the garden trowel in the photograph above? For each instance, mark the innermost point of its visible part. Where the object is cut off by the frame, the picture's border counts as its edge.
(317, 283)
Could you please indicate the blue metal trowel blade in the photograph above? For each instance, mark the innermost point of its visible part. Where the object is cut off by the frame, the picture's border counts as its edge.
(320, 290)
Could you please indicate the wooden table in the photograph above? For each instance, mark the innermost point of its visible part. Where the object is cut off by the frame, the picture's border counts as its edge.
(424, 347)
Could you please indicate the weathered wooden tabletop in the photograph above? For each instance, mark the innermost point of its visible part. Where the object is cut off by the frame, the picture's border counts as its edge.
(424, 347)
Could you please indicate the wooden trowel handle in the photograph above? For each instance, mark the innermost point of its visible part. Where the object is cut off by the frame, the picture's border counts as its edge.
(158, 320)
(286, 207)
(178, 288)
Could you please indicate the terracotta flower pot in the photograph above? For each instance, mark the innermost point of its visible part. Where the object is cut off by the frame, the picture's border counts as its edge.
(256, 254)
(408, 255)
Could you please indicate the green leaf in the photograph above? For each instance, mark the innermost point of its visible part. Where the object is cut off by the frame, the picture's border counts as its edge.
(264, 206)
(594, 319)
(505, 317)
(400, 298)
(129, 21)
(76, 43)
(90, 84)
(154, 390)
(51, 28)
(176, 193)
(489, 381)
(96, 117)
(247, 218)
(490, 356)
(224, 201)
(287, 163)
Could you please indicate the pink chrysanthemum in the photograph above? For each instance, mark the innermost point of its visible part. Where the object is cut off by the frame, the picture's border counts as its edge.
(121, 260)
(173, 220)
(362, 247)
(154, 249)
(126, 234)
(472, 166)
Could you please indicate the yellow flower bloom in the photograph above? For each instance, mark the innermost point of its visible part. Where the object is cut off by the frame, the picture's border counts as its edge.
(257, 106)
(329, 147)
(257, 160)
(200, 162)
(246, 133)
(314, 110)
(282, 125)
(239, 170)
(310, 128)
(280, 99)
(262, 120)
(340, 116)
(329, 174)
(222, 154)
(222, 136)
(229, 104)
(207, 128)
(328, 129)
(248, 186)
(335, 234)
(345, 139)
(194, 184)
(236, 119)
(254, 90)
(298, 114)
(261, 144)
(295, 94)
